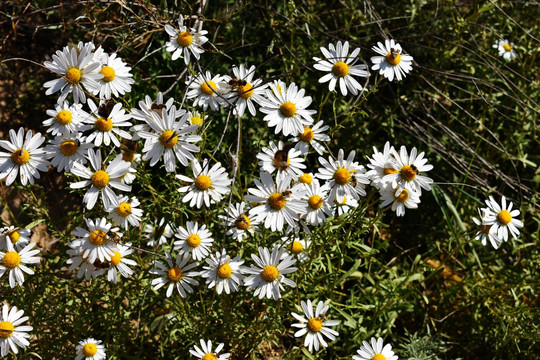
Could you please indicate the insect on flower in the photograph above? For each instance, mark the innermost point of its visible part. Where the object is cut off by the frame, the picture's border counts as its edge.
(281, 158)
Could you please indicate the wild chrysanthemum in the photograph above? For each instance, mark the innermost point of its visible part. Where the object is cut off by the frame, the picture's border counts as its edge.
(506, 49)
(483, 233)
(341, 68)
(116, 79)
(314, 325)
(14, 262)
(400, 199)
(194, 240)
(280, 204)
(206, 90)
(184, 40)
(311, 137)
(392, 62)
(97, 241)
(105, 121)
(24, 157)
(502, 219)
(242, 90)
(100, 181)
(65, 119)
(13, 335)
(158, 233)
(375, 351)
(66, 150)
(305, 178)
(283, 158)
(267, 275)
(377, 165)
(150, 109)
(208, 186)
(76, 260)
(404, 170)
(296, 246)
(18, 237)
(223, 273)
(125, 212)
(119, 264)
(238, 222)
(286, 109)
(90, 349)
(176, 274)
(206, 353)
(317, 206)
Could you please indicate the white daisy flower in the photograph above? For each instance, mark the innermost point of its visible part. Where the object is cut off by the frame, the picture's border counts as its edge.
(66, 150)
(184, 40)
(18, 237)
(502, 219)
(314, 325)
(100, 181)
(194, 240)
(105, 121)
(90, 349)
(24, 156)
(158, 234)
(341, 68)
(279, 204)
(169, 138)
(403, 170)
(116, 79)
(76, 260)
(152, 109)
(125, 212)
(76, 68)
(208, 186)
(392, 62)
(206, 90)
(317, 206)
(14, 261)
(375, 351)
(96, 241)
(13, 335)
(196, 118)
(267, 275)
(119, 264)
(65, 119)
(311, 136)
(286, 109)
(283, 158)
(346, 205)
(176, 274)
(237, 222)
(377, 165)
(206, 353)
(506, 49)
(244, 91)
(400, 199)
(483, 233)
(345, 177)
(223, 273)
(296, 246)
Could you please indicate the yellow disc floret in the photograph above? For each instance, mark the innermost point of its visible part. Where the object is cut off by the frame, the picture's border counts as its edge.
(407, 173)
(378, 357)
(193, 240)
(13, 235)
(507, 47)
(340, 69)
(6, 329)
(315, 202)
(116, 258)
(393, 59)
(242, 222)
(314, 324)
(108, 73)
(168, 139)
(208, 87)
(11, 259)
(73, 75)
(69, 147)
(245, 91)
(504, 217)
(224, 271)
(98, 237)
(276, 201)
(196, 120)
(342, 176)
(184, 39)
(89, 349)
(20, 156)
(270, 273)
(297, 247)
(100, 179)
(388, 171)
(403, 196)
(203, 182)
(209, 356)
(288, 109)
(174, 274)
(103, 124)
(124, 209)
(306, 179)
(64, 117)
(307, 136)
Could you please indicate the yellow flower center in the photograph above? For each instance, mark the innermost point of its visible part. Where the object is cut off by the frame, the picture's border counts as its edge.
(196, 120)
(184, 39)
(270, 273)
(276, 201)
(11, 259)
(108, 73)
(378, 357)
(306, 179)
(6, 329)
(174, 274)
(103, 125)
(504, 217)
(203, 182)
(89, 349)
(209, 356)
(193, 240)
(342, 176)
(20, 157)
(64, 117)
(224, 271)
(124, 209)
(288, 109)
(340, 69)
(393, 59)
(128, 156)
(100, 179)
(73, 75)
(242, 222)
(315, 202)
(507, 47)
(388, 171)
(13, 235)
(307, 136)
(116, 258)
(245, 91)
(296, 247)
(314, 325)
(404, 196)
(168, 139)
(208, 87)
(69, 147)
(98, 237)
(407, 173)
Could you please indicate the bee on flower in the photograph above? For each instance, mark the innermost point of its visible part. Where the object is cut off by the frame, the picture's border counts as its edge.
(242, 91)
(238, 222)
(158, 233)
(13, 335)
(483, 235)
(391, 62)
(283, 158)
(106, 122)
(125, 211)
(403, 170)
(184, 40)
(314, 325)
